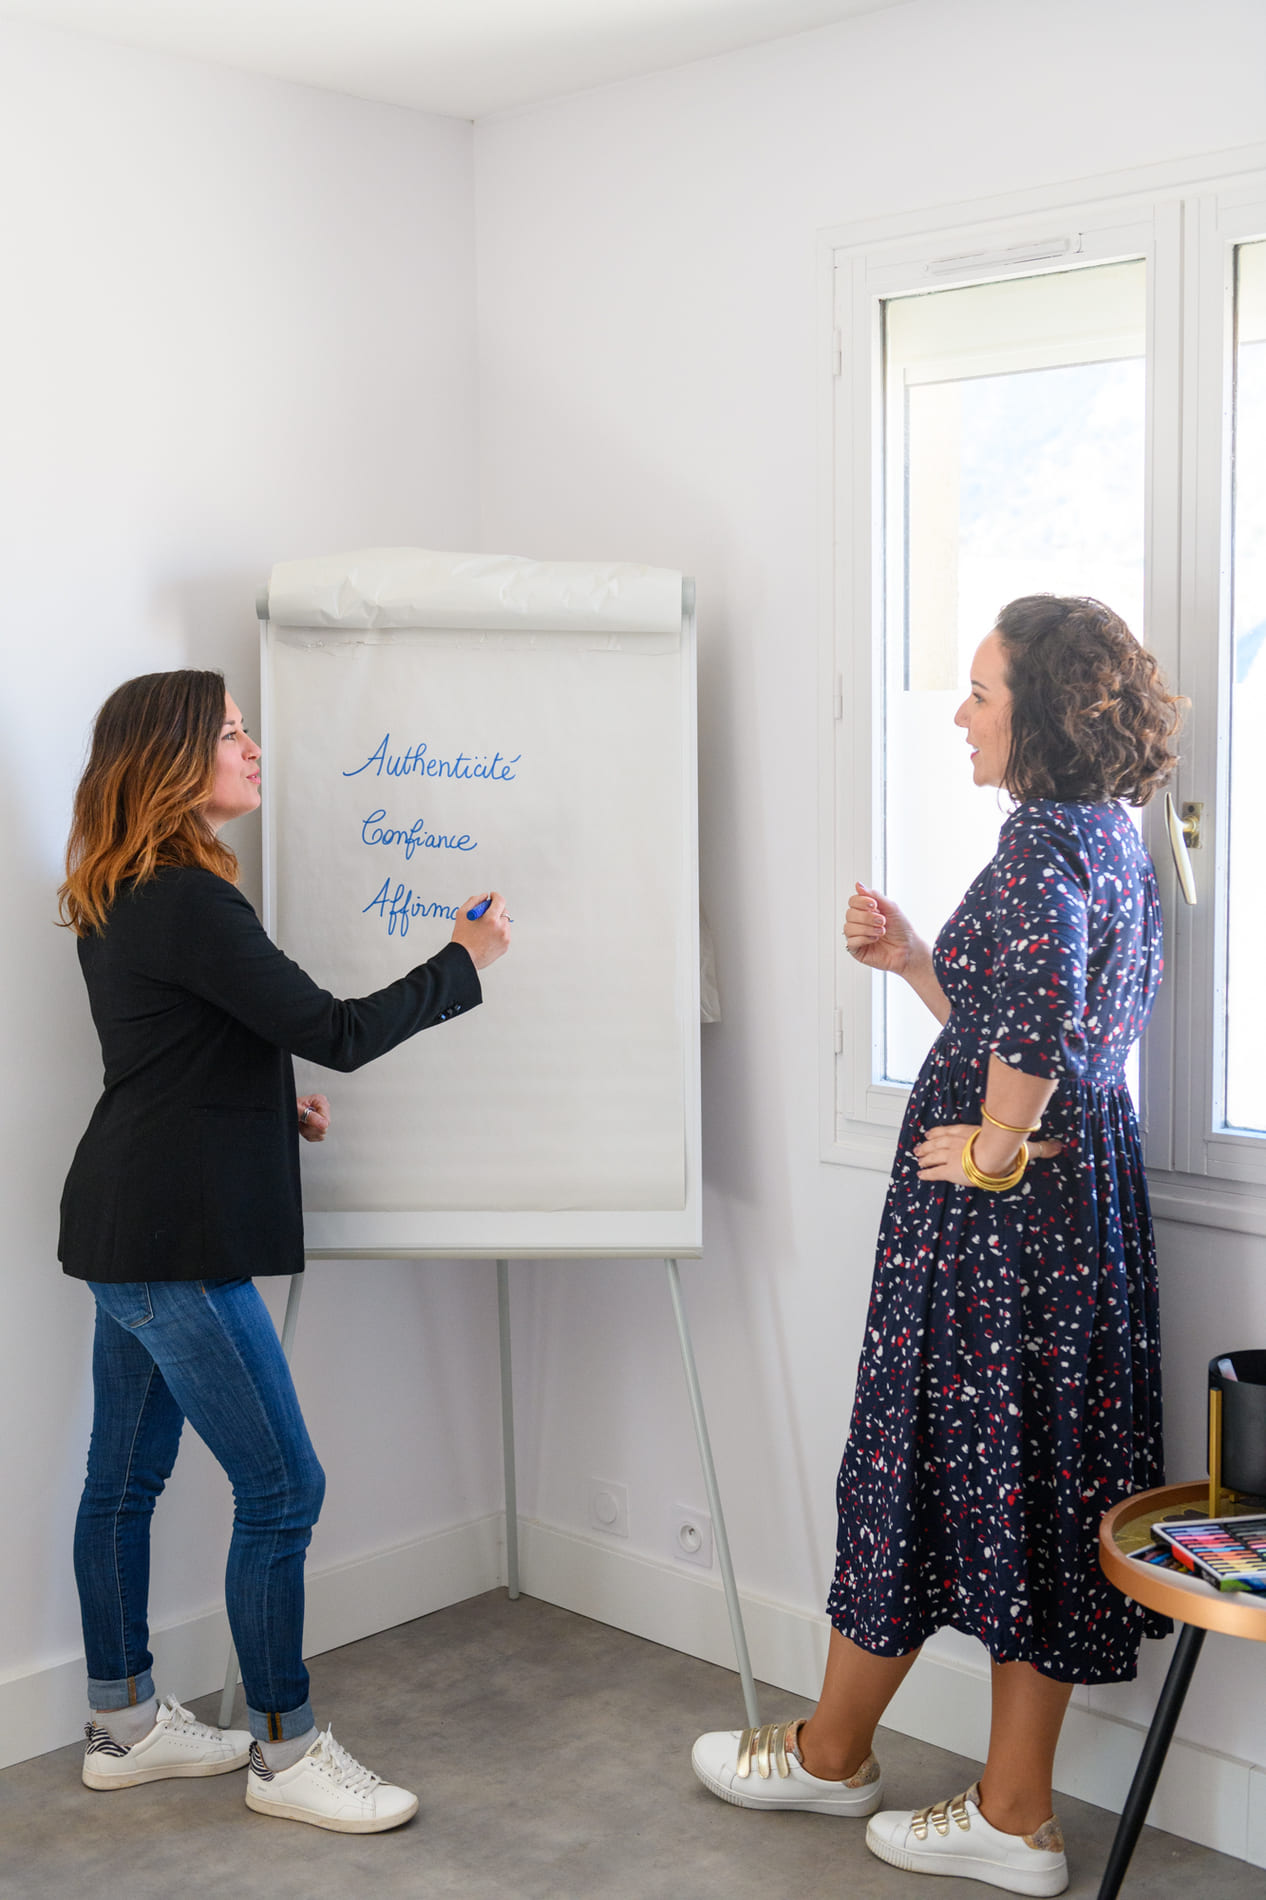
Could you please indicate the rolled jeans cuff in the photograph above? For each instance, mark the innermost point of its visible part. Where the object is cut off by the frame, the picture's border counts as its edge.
(268, 1726)
(125, 1692)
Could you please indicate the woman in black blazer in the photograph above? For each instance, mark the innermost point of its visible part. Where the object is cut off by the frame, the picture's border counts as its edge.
(184, 1187)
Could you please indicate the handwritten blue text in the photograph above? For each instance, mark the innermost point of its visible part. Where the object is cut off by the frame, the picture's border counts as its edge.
(398, 908)
(415, 763)
(416, 838)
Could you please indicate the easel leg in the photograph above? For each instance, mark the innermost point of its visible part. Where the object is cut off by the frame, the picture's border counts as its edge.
(288, 1325)
(1152, 1760)
(714, 1498)
(507, 1428)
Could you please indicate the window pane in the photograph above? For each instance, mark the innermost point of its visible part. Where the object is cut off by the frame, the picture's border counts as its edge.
(1014, 444)
(1246, 886)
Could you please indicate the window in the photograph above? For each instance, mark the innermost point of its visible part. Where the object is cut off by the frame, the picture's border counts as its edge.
(1244, 1027)
(1014, 420)
(1014, 410)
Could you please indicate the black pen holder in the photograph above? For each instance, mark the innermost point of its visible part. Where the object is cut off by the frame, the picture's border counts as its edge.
(1237, 1427)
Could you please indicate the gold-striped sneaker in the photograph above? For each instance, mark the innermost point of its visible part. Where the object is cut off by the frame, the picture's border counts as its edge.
(953, 1837)
(759, 1768)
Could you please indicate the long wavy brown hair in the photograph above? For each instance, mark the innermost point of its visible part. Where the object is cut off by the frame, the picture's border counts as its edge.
(1091, 715)
(139, 805)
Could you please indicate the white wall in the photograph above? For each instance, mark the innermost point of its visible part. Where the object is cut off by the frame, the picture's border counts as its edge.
(647, 389)
(236, 327)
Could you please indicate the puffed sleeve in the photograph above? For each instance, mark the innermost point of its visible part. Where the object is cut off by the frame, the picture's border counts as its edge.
(1038, 899)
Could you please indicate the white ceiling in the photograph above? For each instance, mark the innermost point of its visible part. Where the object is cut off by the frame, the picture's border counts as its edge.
(466, 58)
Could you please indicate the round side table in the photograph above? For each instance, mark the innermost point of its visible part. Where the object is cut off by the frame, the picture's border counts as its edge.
(1197, 1605)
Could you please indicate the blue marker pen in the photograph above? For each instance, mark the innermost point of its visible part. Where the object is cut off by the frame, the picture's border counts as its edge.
(473, 915)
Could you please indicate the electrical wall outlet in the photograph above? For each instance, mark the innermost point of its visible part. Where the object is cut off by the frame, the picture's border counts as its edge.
(609, 1507)
(690, 1536)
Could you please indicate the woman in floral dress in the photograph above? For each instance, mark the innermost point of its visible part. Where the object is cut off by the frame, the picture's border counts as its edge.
(1009, 1386)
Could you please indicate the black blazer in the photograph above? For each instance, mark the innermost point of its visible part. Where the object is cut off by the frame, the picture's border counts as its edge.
(189, 1168)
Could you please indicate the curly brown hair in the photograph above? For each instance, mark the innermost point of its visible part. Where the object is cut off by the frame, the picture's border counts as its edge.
(139, 803)
(1091, 716)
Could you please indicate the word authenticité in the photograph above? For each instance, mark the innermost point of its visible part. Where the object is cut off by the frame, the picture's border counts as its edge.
(418, 761)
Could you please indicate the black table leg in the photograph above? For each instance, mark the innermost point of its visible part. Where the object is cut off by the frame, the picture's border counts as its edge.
(1152, 1760)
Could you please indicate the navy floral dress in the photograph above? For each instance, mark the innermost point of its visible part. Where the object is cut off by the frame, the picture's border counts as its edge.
(1009, 1386)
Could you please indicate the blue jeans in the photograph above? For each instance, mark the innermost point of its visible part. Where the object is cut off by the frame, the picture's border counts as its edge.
(205, 1350)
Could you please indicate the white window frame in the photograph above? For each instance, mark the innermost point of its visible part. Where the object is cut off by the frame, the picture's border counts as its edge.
(1183, 220)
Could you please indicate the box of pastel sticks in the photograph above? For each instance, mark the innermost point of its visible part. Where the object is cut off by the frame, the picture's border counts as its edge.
(1227, 1551)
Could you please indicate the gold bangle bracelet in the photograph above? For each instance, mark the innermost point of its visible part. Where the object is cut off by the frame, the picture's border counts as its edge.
(993, 1183)
(996, 1183)
(1012, 1128)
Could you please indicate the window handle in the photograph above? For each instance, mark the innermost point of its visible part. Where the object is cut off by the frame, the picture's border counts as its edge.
(1184, 832)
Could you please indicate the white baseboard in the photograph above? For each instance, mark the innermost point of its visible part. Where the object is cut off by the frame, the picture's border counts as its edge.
(44, 1708)
(1202, 1795)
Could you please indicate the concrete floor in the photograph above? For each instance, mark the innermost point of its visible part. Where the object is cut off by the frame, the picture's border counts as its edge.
(552, 1756)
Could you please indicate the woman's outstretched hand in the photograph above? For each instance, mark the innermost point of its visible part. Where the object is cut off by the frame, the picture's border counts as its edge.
(878, 933)
(488, 937)
(940, 1153)
(314, 1116)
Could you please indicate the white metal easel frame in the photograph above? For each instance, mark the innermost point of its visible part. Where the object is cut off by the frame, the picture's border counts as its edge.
(698, 1415)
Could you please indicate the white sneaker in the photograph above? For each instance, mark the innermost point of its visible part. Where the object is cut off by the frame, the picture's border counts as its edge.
(953, 1837)
(327, 1787)
(724, 1761)
(178, 1744)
